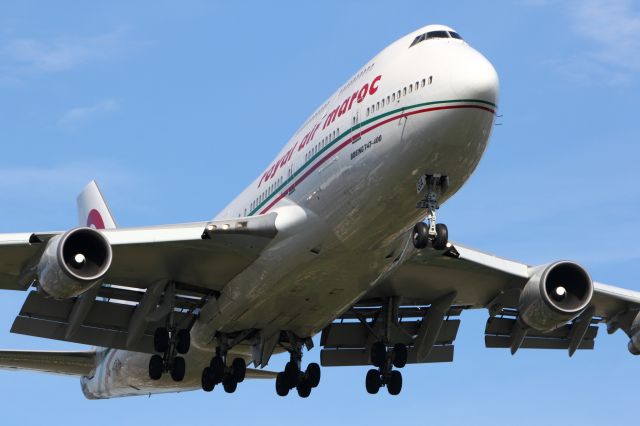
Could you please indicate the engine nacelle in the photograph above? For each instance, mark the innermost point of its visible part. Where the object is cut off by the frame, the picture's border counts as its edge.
(73, 262)
(556, 294)
(634, 335)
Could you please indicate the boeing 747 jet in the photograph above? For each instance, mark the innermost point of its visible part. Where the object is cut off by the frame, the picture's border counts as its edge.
(339, 236)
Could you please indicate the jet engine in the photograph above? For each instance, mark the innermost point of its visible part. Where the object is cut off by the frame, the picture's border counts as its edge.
(634, 335)
(73, 262)
(556, 294)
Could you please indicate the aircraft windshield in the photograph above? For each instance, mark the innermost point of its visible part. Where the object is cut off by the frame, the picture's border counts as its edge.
(435, 34)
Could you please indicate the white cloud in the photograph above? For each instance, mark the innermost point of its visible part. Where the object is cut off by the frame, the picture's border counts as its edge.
(61, 54)
(613, 26)
(612, 29)
(78, 115)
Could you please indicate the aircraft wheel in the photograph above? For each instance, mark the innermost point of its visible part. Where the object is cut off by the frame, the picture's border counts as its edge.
(217, 367)
(161, 340)
(304, 389)
(373, 381)
(178, 369)
(156, 365)
(282, 387)
(395, 383)
(183, 341)
(378, 354)
(229, 383)
(207, 380)
(442, 237)
(313, 374)
(239, 368)
(420, 235)
(291, 374)
(400, 355)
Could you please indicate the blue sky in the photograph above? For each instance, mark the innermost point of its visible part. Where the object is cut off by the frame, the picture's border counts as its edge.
(176, 106)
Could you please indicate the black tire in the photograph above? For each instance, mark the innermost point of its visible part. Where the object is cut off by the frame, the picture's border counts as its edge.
(207, 380)
(156, 367)
(378, 354)
(282, 387)
(395, 383)
(420, 235)
(373, 381)
(229, 383)
(161, 340)
(400, 355)
(313, 375)
(239, 369)
(183, 341)
(292, 374)
(178, 369)
(217, 367)
(304, 389)
(442, 237)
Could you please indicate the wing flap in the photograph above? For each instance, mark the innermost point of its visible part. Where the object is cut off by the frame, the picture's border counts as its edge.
(106, 325)
(352, 357)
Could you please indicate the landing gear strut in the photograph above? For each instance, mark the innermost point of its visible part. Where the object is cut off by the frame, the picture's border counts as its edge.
(385, 359)
(436, 233)
(169, 342)
(219, 371)
(293, 376)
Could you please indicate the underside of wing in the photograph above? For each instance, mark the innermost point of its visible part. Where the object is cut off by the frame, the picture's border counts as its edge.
(554, 306)
(113, 287)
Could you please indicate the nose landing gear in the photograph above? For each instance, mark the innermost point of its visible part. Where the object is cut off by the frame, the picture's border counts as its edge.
(436, 233)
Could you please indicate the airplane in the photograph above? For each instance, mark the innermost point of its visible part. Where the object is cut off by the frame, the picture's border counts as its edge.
(338, 237)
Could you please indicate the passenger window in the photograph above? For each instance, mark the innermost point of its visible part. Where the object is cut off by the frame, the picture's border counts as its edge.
(417, 85)
(398, 95)
(388, 100)
(367, 113)
(410, 88)
(430, 79)
(423, 81)
(382, 102)
(393, 97)
(404, 92)
(377, 106)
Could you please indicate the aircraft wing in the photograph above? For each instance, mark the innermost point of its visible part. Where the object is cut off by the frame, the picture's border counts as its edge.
(429, 289)
(191, 262)
(205, 254)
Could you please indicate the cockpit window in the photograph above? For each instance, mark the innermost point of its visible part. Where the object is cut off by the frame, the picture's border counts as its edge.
(437, 34)
(434, 34)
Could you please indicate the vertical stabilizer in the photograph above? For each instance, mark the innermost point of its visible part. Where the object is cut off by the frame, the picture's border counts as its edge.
(93, 210)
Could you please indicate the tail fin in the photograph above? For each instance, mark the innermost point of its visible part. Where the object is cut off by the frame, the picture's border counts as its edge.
(93, 210)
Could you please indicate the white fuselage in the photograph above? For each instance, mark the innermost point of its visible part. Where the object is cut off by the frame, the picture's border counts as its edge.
(344, 187)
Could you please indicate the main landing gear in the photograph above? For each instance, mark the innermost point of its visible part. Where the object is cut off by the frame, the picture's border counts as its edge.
(385, 359)
(169, 342)
(221, 371)
(435, 233)
(293, 376)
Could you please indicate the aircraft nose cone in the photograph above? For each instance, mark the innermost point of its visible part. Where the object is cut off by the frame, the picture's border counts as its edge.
(473, 77)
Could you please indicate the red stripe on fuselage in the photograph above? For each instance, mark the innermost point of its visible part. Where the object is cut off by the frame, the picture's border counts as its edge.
(359, 134)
